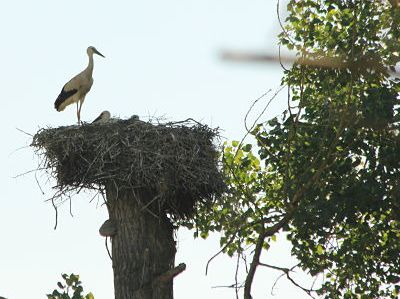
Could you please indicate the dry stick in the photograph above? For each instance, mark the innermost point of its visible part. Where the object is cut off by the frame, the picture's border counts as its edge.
(22, 131)
(108, 250)
(55, 209)
(28, 172)
(70, 207)
(37, 182)
(18, 149)
(94, 196)
(144, 207)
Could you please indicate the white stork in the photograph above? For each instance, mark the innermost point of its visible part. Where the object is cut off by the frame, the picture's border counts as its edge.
(102, 118)
(75, 90)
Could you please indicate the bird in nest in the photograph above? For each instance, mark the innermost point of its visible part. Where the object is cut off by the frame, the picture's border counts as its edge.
(102, 118)
(75, 90)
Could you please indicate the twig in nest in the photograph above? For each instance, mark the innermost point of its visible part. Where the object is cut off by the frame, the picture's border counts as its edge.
(70, 207)
(28, 172)
(22, 131)
(55, 209)
(37, 182)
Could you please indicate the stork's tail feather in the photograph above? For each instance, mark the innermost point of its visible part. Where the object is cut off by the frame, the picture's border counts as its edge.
(64, 99)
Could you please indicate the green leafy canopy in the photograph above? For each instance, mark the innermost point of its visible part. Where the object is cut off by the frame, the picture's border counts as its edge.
(327, 171)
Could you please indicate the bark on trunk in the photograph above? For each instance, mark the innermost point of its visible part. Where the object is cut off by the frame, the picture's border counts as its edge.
(142, 249)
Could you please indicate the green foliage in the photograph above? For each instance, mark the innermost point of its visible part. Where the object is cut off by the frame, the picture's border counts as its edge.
(71, 284)
(328, 170)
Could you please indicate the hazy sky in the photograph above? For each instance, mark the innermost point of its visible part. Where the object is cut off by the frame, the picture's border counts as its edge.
(162, 59)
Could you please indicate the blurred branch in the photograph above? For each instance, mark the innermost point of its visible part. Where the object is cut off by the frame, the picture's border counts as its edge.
(395, 3)
(363, 63)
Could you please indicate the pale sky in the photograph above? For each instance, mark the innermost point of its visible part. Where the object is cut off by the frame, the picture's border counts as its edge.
(162, 59)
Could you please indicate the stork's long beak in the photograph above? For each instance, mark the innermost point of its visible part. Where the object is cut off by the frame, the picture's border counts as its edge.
(98, 53)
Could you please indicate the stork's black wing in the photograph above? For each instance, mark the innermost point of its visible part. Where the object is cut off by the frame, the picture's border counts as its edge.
(64, 95)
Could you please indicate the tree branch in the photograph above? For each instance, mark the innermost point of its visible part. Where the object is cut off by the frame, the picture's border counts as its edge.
(170, 274)
(286, 272)
(253, 267)
(268, 233)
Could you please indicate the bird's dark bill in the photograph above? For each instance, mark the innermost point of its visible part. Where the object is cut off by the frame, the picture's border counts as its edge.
(98, 53)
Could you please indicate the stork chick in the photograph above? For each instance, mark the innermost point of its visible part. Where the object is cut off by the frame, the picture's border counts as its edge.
(75, 90)
(102, 118)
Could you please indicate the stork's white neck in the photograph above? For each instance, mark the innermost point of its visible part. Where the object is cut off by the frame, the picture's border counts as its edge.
(91, 64)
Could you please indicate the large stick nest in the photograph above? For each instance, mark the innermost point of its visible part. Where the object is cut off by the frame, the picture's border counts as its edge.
(174, 164)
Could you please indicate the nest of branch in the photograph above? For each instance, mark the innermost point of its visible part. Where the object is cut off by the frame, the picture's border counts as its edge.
(175, 164)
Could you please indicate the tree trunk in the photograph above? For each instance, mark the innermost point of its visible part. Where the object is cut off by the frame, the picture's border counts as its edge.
(142, 250)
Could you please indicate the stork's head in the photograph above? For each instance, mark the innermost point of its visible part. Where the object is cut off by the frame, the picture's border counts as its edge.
(92, 50)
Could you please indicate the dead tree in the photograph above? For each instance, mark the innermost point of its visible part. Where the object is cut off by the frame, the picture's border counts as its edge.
(153, 176)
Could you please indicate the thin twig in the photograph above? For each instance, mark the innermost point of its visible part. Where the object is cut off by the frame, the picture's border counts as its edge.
(55, 209)
(220, 251)
(37, 182)
(70, 207)
(108, 250)
(276, 282)
(236, 274)
(28, 172)
(251, 108)
(234, 285)
(22, 131)
(286, 272)
(274, 267)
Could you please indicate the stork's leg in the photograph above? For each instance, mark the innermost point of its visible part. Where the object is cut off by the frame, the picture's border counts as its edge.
(79, 110)
(77, 113)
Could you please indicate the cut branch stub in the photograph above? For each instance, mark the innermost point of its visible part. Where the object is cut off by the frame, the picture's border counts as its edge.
(108, 229)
